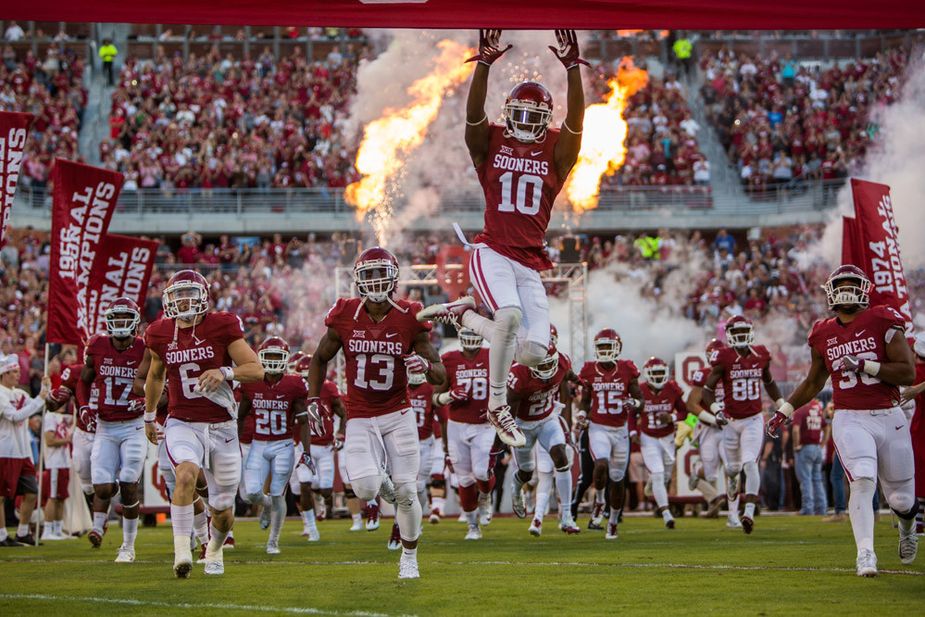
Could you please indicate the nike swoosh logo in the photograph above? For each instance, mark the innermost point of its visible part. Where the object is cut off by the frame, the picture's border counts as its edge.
(138, 428)
(479, 365)
(229, 440)
(860, 332)
(391, 334)
(130, 363)
(900, 426)
(404, 412)
(536, 153)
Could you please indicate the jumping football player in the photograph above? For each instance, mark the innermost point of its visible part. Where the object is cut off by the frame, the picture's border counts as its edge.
(742, 366)
(194, 349)
(382, 342)
(522, 165)
(864, 350)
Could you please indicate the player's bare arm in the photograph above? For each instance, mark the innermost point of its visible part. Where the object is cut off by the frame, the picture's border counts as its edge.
(565, 397)
(244, 410)
(327, 348)
(247, 368)
(153, 387)
(569, 144)
(770, 385)
(338, 409)
(138, 385)
(436, 372)
(300, 413)
(88, 371)
(636, 393)
(708, 395)
(899, 367)
(477, 125)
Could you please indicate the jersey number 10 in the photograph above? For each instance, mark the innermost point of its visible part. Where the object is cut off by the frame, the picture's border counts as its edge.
(523, 182)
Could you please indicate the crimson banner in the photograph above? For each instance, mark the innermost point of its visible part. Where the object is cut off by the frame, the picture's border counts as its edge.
(874, 247)
(122, 269)
(14, 128)
(84, 200)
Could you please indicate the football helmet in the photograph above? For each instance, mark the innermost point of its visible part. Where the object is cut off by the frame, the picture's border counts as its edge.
(607, 345)
(303, 366)
(546, 369)
(553, 335)
(122, 317)
(713, 348)
(376, 274)
(470, 339)
(656, 372)
(274, 355)
(186, 295)
(293, 363)
(527, 112)
(739, 332)
(847, 287)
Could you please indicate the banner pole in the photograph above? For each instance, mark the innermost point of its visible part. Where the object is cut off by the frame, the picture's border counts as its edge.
(41, 472)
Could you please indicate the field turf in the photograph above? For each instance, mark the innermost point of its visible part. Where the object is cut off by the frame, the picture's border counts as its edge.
(789, 566)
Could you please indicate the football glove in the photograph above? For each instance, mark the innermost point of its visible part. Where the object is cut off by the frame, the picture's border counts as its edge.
(567, 49)
(489, 47)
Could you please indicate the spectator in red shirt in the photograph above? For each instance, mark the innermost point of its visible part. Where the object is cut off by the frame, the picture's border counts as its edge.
(810, 433)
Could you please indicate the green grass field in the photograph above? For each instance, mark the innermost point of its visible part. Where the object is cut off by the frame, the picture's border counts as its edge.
(789, 566)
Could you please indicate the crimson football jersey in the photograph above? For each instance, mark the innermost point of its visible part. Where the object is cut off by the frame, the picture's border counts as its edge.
(609, 390)
(865, 338)
(699, 379)
(70, 378)
(328, 393)
(520, 182)
(272, 405)
(377, 382)
(194, 351)
(115, 374)
(472, 374)
(246, 434)
(742, 379)
(538, 397)
(670, 398)
(422, 402)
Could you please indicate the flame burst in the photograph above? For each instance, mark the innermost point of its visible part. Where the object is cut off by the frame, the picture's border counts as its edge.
(388, 141)
(603, 142)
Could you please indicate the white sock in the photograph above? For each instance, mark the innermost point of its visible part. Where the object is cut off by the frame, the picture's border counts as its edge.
(614, 515)
(599, 497)
(439, 502)
(543, 490)
(500, 358)
(217, 539)
(659, 491)
(734, 507)
(750, 509)
(181, 517)
(56, 527)
(3, 534)
(483, 326)
(308, 517)
(408, 515)
(22, 530)
(473, 518)
(129, 531)
(411, 552)
(666, 515)
(861, 513)
(201, 526)
(277, 515)
(707, 489)
(357, 517)
(99, 521)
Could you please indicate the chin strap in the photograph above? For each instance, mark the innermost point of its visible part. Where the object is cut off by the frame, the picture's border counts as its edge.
(356, 315)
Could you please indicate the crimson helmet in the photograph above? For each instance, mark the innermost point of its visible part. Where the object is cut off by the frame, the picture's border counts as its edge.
(713, 348)
(656, 372)
(553, 335)
(304, 364)
(189, 287)
(847, 287)
(470, 339)
(376, 274)
(547, 368)
(607, 345)
(122, 317)
(293, 363)
(739, 332)
(274, 355)
(528, 112)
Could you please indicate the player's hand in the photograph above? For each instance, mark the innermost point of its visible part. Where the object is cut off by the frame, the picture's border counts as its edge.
(306, 459)
(663, 417)
(721, 419)
(136, 405)
(210, 380)
(60, 395)
(775, 423)
(151, 432)
(415, 363)
(851, 363)
(46, 388)
(567, 50)
(316, 417)
(448, 462)
(489, 47)
(87, 416)
(459, 394)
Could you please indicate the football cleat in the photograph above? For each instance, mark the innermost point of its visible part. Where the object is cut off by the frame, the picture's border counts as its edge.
(313, 535)
(866, 563)
(372, 517)
(448, 312)
(503, 422)
(733, 522)
(215, 563)
(357, 525)
(536, 528)
(568, 526)
(597, 516)
(669, 523)
(47, 534)
(611, 532)
(8, 541)
(517, 503)
(908, 546)
(28, 539)
(474, 533)
(229, 543)
(594, 525)
(434, 516)
(95, 537)
(126, 555)
(408, 566)
(387, 490)
(183, 558)
(748, 524)
(484, 509)
(272, 548)
(395, 538)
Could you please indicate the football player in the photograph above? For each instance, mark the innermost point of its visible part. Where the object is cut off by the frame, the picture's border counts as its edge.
(278, 403)
(199, 353)
(522, 165)
(117, 459)
(742, 366)
(662, 407)
(709, 438)
(864, 350)
(467, 436)
(537, 396)
(610, 386)
(382, 342)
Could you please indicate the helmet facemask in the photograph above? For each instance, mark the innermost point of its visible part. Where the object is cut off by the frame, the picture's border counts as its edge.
(847, 293)
(376, 280)
(469, 340)
(546, 369)
(185, 300)
(274, 360)
(122, 322)
(656, 375)
(607, 349)
(740, 335)
(527, 121)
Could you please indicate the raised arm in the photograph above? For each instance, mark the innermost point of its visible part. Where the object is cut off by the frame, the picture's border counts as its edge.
(477, 126)
(569, 143)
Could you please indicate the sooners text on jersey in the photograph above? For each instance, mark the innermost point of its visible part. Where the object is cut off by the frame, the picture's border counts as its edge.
(669, 399)
(422, 403)
(115, 373)
(194, 351)
(538, 397)
(472, 374)
(272, 406)
(742, 380)
(609, 390)
(520, 182)
(865, 338)
(377, 383)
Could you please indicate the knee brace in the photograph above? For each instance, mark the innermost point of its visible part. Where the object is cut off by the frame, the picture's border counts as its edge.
(366, 488)
(507, 323)
(531, 353)
(405, 494)
(904, 506)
